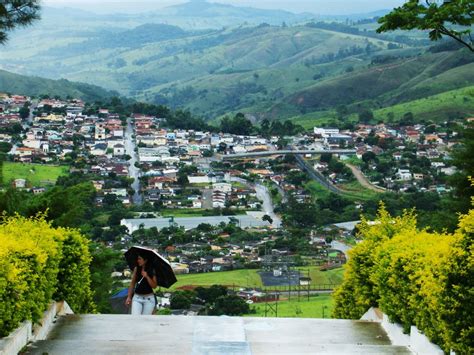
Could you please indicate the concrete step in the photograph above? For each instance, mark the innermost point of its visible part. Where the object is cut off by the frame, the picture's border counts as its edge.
(125, 334)
(77, 347)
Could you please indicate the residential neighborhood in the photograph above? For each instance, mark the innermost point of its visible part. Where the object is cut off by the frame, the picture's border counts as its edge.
(228, 209)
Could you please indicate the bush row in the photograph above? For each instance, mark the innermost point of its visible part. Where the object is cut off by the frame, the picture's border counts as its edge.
(39, 263)
(415, 277)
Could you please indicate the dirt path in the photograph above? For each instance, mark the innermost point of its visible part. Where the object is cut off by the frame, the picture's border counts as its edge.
(363, 180)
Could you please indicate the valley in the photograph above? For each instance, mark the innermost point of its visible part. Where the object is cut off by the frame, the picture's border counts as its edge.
(300, 68)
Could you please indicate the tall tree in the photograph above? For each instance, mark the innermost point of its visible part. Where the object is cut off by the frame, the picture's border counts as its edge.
(16, 13)
(463, 160)
(452, 19)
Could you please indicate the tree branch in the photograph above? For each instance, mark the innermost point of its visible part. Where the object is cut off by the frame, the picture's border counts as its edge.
(448, 33)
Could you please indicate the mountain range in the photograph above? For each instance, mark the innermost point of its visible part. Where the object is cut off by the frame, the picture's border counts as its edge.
(267, 63)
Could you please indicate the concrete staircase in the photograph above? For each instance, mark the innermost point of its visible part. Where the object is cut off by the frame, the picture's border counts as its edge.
(125, 334)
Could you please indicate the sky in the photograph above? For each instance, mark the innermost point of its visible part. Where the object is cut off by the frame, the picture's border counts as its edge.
(334, 7)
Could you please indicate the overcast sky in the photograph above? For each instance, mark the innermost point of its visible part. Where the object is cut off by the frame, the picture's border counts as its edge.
(334, 7)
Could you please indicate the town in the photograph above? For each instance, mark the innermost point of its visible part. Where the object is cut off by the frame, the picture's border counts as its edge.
(215, 201)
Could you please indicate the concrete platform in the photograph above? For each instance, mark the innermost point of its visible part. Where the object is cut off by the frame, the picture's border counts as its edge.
(125, 334)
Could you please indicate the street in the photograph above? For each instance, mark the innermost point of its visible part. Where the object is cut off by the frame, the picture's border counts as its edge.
(133, 171)
(264, 195)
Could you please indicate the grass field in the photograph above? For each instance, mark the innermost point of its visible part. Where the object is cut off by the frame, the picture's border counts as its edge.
(435, 108)
(251, 278)
(317, 190)
(314, 119)
(318, 277)
(355, 191)
(239, 278)
(312, 308)
(35, 174)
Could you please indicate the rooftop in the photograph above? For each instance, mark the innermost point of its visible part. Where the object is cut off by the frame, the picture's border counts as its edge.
(245, 221)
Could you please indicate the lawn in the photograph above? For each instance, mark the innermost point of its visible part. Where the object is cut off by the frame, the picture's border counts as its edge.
(316, 189)
(355, 191)
(35, 174)
(304, 308)
(333, 277)
(251, 278)
(237, 278)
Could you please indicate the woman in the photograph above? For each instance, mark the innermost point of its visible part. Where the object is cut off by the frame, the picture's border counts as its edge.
(140, 291)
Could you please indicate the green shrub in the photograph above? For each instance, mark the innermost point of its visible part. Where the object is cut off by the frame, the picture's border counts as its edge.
(39, 263)
(415, 277)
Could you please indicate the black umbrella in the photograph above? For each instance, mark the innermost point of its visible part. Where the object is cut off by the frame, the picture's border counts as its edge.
(164, 273)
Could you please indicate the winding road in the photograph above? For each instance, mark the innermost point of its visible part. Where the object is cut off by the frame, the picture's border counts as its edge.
(342, 247)
(264, 195)
(133, 171)
(362, 179)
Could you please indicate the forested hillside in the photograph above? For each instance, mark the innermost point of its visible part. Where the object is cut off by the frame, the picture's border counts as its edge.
(35, 86)
(304, 69)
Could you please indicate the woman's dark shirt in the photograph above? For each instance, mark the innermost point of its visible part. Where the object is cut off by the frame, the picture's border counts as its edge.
(143, 287)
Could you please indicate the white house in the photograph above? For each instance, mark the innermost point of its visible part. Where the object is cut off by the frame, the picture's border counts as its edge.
(222, 186)
(119, 150)
(326, 132)
(153, 154)
(200, 179)
(404, 174)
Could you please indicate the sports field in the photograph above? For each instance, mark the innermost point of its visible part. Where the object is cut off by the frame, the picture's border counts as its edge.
(35, 174)
(251, 278)
(318, 306)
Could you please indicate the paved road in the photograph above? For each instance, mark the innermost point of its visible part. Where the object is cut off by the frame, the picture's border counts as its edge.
(362, 179)
(264, 195)
(207, 199)
(133, 172)
(342, 247)
(315, 175)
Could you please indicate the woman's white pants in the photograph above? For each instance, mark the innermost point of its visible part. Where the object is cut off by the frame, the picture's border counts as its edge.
(143, 305)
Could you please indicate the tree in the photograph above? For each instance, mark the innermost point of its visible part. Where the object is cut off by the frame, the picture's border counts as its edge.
(182, 299)
(211, 294)
(231, 305)
(463, 159)
(5, 147)
(24, 111)
(267, 218)
(238, 125)
(368, 157)
(103, 261)
(366, 116)
(16, 13)
(325, 158)
(452, 19)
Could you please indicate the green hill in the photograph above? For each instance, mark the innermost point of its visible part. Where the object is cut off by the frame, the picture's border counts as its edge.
(35, 86)
(455, 103)
(433, 83)
(436, 108)
(303, 72)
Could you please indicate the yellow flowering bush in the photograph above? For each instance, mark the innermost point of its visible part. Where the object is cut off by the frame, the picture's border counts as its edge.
(39, 263)
(415, 277)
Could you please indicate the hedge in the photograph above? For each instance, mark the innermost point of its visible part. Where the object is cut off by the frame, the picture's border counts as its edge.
(39, 263)
(415, 277)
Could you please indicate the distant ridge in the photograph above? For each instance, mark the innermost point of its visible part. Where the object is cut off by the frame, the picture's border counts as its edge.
(35, 86)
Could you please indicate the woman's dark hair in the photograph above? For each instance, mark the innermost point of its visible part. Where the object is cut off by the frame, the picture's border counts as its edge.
(143, 256)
